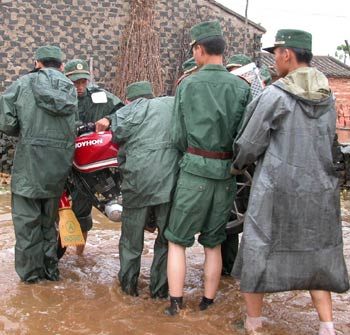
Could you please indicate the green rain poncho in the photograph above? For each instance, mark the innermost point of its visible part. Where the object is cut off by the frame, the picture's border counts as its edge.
(292, 237)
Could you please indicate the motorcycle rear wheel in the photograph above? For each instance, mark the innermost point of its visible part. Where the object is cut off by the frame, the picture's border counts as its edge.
(240, 204)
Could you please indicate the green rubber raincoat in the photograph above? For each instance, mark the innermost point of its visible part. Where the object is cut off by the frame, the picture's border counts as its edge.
(41, 109)
(292, 237)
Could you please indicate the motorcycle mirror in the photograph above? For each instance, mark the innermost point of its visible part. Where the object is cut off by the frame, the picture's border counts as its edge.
(99, 97)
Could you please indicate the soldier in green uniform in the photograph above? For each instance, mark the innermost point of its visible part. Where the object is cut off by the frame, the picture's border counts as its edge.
(265, 75)
(237, 61)
(292, 237)
(229, 247)
(40, 108)
(188, 67)
(148, 164)
(209, 107)
(92, 108)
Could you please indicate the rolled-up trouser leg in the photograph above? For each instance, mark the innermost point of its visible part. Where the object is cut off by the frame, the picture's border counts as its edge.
(159, 280)
(82, 206)
(36, 239)
(130, 247)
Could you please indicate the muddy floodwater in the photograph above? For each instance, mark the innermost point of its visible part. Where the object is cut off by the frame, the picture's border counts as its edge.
(88, 299)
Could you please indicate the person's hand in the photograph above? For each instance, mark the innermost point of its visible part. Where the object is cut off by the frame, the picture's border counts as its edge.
(102, 124)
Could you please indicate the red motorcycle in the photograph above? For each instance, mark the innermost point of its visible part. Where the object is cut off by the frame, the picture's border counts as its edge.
(95, 172)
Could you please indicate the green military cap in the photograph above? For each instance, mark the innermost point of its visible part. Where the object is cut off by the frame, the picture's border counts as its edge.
(138, 89)
(49, 51)
(189, 65)
(292, 38)
(77, 69)
(203, 30)
(265, 75)
(238, 60)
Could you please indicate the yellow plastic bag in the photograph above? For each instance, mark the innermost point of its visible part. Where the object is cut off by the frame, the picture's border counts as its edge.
(69, 228)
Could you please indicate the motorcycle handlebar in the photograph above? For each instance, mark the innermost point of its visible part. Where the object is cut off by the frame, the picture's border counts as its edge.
(86, 128)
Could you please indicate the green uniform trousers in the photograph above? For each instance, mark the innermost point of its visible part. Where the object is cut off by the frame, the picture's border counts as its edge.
(36, 237)
(131, 246)
(201, 205)
(229, 250)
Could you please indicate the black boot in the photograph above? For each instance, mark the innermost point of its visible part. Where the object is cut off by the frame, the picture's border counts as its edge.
(205, 303)
(175, 306)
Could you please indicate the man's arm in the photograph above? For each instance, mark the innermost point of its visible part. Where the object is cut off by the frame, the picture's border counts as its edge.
(8, 114)
(254, 136)
(178, 131)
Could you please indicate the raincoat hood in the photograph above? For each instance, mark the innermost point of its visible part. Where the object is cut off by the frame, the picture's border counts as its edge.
(54, 94)
(310, 88)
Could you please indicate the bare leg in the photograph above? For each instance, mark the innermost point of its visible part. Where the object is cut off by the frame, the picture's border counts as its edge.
(254, 304)
(322, 301)
(212, 271)
(176, 269)
(80, 248)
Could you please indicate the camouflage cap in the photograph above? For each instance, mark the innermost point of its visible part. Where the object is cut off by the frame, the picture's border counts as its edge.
(204, 30)
(49, 51)
(138, 89)
(189, 65)
(292, 38)
(77, 69)
(238, 60)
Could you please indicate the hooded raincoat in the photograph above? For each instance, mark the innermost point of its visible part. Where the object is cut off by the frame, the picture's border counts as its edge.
(147, 158)
(41, 109)
(292, 237)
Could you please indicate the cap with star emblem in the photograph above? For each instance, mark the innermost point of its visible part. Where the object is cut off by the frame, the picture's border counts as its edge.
(77, 69)
(292, 38)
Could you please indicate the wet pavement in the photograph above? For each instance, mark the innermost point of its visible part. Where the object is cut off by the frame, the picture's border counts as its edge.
(88, 299)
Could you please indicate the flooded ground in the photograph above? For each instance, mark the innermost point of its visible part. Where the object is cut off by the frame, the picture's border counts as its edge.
(88, 299)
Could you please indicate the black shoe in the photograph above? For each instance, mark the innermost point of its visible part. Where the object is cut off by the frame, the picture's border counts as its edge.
(175, 306)
(205, 303)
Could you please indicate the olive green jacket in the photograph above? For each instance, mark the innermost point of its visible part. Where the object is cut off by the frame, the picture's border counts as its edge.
(209, 109)
(41, 109)
(92, 112)
(147, 159)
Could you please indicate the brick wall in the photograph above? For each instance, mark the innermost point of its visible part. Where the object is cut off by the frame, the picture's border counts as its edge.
(85, 29)
(93, 29)
(341, 89)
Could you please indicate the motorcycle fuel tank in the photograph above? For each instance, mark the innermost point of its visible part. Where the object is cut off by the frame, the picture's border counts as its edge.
(95, 151)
